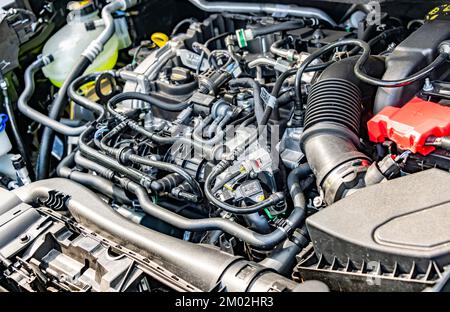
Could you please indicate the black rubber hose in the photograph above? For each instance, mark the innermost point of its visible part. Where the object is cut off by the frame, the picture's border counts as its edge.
(170, 168)
(285, 26)
(111, 163)
(279, 83)
(385, 35)
(173, 107)
(94, 166)
(24, 108)
(138, 128)
(155, 137)
(275, 93)
(126, 155)
(205, 49)
(218, 169)
(295, 188)
(266, 116)
(359, 72)
(200, 266)
(103, 144)
(82, 100)
(359, 69)
(88, 55)
(167, 182)
(250, 83)
(97, 183)
(282, 258)
(21, 147)
(56, 110)
(261, 241)
(257, 222)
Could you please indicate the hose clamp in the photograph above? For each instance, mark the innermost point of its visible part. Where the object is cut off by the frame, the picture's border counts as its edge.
(46, 59)
(444, 47)
(93, 50)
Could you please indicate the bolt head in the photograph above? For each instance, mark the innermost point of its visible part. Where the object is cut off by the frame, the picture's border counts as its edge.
(24, 238)
(317, 201)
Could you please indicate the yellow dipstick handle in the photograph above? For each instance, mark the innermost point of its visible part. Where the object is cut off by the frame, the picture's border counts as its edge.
(159, 39)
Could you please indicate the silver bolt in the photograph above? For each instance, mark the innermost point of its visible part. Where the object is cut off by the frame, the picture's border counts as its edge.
(317, 202)
(24, 238)
(428, 86)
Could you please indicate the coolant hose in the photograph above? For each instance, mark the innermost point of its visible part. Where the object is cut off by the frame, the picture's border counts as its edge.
(86, 58)
(260, 241)
(33, 114)
(294, 187)
(282, 258)
(82, 100)
(56, 109)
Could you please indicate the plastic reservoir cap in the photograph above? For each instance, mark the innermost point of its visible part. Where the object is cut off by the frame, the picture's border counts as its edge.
(411, 125)
(3, 119)
(5, 144)
(82, 7)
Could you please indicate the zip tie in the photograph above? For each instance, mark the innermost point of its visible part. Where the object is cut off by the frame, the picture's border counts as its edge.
(268, 99)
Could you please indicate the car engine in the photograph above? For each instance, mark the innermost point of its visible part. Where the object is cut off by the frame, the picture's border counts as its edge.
(155, 146)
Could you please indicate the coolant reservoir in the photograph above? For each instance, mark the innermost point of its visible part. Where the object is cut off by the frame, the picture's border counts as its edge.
(69, 42)
(5, 144)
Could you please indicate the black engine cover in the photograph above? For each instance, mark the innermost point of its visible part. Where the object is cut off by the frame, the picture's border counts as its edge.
(402, 224)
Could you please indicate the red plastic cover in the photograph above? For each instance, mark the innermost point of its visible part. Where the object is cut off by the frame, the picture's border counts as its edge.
(411, 125)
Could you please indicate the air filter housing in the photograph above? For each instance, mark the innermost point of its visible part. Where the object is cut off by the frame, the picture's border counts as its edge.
(404, 224)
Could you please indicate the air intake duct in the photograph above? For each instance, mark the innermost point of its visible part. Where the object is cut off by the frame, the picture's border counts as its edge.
(203, 266)
(332, 126)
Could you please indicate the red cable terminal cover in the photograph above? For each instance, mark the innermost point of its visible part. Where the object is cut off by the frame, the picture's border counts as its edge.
(411, 125)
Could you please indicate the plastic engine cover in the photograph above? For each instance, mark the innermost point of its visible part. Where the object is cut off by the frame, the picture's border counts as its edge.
(411, 125)
(403, 223)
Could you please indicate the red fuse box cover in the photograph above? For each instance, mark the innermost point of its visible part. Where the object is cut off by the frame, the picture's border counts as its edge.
(411, 125)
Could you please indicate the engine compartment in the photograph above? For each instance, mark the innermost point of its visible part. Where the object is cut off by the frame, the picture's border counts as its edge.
(261, 147)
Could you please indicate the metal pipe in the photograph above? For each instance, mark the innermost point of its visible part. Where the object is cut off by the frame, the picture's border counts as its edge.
(289, 54)
(267, 8)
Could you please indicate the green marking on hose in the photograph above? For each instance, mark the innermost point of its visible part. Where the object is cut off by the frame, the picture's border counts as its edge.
(268, 213)
(241, 38)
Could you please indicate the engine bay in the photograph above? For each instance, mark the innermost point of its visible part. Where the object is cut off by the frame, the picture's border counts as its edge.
(224, 146)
